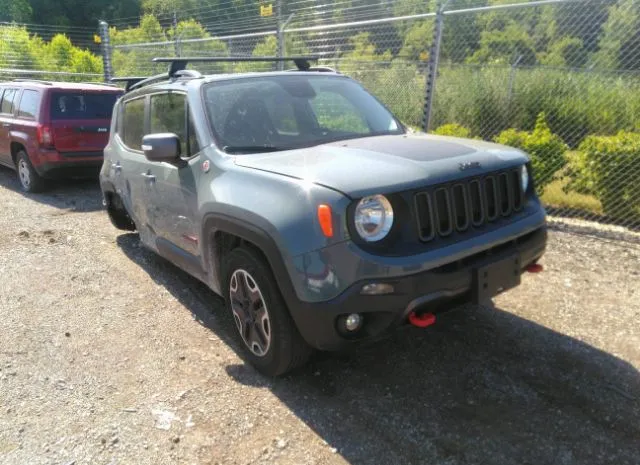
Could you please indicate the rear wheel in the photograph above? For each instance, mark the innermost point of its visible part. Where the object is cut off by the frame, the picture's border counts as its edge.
(30, 180)
(118, 214)
(269, 337)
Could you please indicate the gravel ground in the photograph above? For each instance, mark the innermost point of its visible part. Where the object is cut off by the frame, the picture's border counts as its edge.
(109, 355)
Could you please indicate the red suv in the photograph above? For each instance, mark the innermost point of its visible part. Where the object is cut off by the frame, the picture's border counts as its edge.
(53, 130)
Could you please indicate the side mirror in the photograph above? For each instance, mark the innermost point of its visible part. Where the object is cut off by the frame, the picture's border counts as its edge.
(161, 147)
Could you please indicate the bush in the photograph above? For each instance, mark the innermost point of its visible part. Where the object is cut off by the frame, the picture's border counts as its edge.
(546, 149)
(454, 130)
(608, 167)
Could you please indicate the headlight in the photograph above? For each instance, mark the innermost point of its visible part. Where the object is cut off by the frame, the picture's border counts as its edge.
(524, 178)
(373, 218)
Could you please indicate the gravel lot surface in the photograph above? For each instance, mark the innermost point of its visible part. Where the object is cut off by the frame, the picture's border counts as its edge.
(109, 355)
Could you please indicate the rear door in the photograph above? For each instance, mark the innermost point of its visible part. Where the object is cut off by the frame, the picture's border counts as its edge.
(128, 161)
(80, 121)
(7, 106)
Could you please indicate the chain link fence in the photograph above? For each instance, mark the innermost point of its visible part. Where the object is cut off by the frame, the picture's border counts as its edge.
(45, 52)
(557, 78)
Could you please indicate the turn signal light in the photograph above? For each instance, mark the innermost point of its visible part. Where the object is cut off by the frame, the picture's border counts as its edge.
(325, 219)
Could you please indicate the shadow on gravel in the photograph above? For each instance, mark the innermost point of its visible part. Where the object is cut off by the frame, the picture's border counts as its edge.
(483, 386)
(71, 195)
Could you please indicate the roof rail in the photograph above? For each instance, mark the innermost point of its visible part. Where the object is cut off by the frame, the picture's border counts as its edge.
(39, 81)
(319, 69)
(180, 63)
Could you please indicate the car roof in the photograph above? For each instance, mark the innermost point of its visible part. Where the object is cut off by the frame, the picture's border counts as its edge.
(58, 85)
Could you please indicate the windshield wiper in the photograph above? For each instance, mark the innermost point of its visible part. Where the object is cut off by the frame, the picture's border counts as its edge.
(251, 148)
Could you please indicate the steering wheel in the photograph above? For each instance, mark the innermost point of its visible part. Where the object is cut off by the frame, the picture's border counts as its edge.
(249, 123)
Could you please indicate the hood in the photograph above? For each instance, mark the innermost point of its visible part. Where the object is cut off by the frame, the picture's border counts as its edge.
(385, 164)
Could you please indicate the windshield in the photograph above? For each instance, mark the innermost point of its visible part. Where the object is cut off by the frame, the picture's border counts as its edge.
(77, 105)
(285, 112)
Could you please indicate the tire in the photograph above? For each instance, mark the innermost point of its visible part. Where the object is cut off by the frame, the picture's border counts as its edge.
(118, 215)
(30, 180)
(274, 347)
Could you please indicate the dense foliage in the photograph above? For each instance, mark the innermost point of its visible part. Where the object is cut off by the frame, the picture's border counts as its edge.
(608, 167)
(546, 149)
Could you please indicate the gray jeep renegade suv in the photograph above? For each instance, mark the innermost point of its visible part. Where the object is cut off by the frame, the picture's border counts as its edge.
(299, 198)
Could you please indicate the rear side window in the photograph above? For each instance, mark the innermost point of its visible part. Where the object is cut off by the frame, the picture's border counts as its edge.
(79, 105)
(133, 123)
(28, 104)
(7, 101)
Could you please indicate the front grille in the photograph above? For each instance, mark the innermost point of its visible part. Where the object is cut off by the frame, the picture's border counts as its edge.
(468, 204)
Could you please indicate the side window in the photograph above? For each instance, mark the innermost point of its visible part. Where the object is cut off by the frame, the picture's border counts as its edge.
(168, 114)
(28, 104)
(133, 123)
(334, 111)
(7, 101)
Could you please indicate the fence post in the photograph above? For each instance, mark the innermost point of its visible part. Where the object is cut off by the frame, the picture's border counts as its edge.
(106, 50)
(280, 33)
(176, 44)
(432, 68)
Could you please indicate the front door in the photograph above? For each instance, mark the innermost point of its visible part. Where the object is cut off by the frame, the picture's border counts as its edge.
(173, 186)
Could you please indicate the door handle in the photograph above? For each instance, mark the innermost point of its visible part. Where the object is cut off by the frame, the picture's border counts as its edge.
(149, 177)
(116, 167)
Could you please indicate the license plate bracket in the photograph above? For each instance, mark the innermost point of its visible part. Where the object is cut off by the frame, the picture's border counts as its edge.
(496, 277)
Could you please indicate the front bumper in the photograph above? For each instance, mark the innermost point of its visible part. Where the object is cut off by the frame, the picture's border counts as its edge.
(437, 290)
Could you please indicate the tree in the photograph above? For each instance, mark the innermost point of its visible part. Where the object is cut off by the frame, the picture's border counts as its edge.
(81, 12)
(620, 38)
(505, 46)
(15, 11)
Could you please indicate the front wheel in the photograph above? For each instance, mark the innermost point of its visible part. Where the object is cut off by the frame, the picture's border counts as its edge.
(30, 180)
(269, 337)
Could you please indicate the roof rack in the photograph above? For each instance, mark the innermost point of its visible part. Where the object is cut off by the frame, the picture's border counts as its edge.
(129, 81)
(180, 63)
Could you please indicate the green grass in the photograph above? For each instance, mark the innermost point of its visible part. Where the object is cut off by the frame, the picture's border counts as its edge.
(554, 196)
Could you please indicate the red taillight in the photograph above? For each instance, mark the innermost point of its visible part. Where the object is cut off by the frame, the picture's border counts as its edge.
(45, 136)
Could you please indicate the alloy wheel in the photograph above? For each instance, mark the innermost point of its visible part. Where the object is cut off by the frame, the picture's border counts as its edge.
(250, 312)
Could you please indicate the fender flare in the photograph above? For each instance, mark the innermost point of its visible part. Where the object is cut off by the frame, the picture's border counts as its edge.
(255, 235)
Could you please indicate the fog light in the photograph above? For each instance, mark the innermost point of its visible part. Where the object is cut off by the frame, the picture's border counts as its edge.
(353, 322)
(377, 289)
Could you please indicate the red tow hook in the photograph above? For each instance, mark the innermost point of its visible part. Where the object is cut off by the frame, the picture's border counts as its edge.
(423, 320)
(534, 268)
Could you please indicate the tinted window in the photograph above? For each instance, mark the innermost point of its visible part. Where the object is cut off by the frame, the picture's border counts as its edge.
(168, 114)
(82, 105)
(334, 111)
(281, 112)
(7, 101)
(28, 104)
(133, 123)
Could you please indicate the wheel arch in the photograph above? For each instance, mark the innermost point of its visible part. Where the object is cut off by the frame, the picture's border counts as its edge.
(223, 232)
(17, 147)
